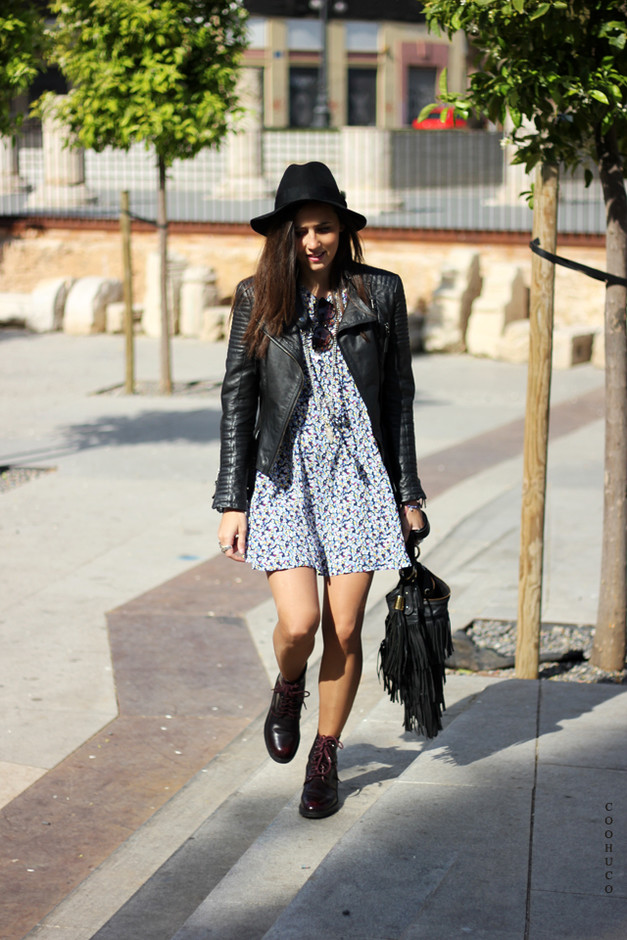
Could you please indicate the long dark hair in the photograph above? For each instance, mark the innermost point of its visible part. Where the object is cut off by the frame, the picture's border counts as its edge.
(275, 281)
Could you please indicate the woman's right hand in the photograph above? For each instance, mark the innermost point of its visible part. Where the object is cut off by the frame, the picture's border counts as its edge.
(232, 532)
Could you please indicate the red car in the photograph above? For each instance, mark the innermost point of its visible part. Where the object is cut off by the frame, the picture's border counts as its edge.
(434, 122)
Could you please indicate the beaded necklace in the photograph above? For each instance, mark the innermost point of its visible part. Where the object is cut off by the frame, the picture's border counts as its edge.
(319, 334)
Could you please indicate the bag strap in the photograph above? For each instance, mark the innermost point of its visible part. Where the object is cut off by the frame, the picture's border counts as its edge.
(416, 537)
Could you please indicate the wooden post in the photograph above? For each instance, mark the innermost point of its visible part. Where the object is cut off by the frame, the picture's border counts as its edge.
(608, 650)
(129, 326)
(536, 425)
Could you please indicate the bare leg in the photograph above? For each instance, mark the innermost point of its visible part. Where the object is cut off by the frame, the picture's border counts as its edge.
(295, 594)
(340, 670)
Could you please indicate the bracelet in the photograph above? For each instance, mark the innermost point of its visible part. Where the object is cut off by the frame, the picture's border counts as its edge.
(419, 508)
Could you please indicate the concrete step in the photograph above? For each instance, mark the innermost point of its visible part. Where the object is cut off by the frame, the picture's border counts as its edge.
(493, 831)
(239, 795)
(419, 860)
(237, 821)
(160, 874)
(276, 867)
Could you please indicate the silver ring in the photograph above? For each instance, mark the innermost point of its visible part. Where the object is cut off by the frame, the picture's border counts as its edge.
(225, 548)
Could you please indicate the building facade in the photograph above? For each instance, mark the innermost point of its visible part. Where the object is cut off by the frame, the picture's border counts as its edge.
(379, 72)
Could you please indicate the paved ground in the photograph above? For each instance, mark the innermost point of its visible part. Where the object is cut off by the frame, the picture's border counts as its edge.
(136, 667)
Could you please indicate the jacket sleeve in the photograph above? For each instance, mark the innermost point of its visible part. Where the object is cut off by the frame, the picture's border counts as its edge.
(240, 394)
(398, 400)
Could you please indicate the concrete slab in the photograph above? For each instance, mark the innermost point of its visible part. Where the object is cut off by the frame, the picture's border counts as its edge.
(446, 849)
(586, 730)
(491, 744)
(569, 832)
(421, 863)
(480, 394)
(42, 736)
(576, 917)
(16, 777)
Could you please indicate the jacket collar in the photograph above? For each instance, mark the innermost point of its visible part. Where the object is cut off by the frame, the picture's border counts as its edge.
(290, 341)
(356, 312)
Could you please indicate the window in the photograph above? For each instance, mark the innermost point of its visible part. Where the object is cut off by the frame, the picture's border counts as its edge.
(420, 90)
(256, 32)
(362, 97)
(361, 36)
(304, 35)
(303, 93)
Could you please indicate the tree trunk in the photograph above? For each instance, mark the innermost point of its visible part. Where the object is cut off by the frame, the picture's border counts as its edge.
(536, 425)
(127, 267)
(162, 226)
(608, 651)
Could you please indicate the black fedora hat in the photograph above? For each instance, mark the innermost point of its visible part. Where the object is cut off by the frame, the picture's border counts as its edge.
(306, 182)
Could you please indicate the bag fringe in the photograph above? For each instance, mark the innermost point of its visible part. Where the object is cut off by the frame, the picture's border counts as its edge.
(416, 645)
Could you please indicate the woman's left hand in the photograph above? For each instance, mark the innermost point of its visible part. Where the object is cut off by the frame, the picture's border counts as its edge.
(412, 517)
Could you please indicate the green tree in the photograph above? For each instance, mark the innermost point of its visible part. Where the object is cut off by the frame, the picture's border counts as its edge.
(560, 70)
(21, 48)
(161, 72)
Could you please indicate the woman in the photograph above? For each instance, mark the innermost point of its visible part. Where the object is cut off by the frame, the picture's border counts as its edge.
(318, 468)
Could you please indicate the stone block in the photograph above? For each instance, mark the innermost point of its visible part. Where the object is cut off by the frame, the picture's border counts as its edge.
(115, 316)
(449, 311)
(214, 323)
(14, 309)
(416, 324)
(504, 299)
(571, 346)
(198, 291)
(598, 349)
(47, 304)
(86, 304)
(151, 318)
(513, 345)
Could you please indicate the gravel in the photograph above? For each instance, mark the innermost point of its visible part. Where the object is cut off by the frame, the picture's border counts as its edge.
(10, 477)
(555, 639)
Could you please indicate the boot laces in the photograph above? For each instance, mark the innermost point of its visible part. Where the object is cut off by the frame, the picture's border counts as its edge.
(291, 698)
(322, 758)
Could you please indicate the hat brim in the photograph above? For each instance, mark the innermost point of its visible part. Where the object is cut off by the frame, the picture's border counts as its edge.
(263, 223)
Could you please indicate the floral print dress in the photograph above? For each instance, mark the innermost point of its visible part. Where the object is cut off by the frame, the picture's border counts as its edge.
(328, 502)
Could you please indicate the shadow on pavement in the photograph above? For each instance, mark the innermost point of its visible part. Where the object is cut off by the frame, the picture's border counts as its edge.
(148, 427)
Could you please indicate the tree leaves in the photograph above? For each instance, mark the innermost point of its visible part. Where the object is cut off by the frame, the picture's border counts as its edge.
(159, 73)
(21, 51)
(540, 11)
(559, 68)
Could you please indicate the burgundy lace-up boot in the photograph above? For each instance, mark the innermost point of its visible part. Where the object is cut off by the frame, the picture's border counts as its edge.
(282, 728)
(320, 797)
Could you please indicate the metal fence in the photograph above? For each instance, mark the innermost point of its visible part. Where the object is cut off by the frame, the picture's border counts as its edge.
(442, 180)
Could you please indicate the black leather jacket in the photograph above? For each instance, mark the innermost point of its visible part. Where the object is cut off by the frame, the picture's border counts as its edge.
(259, 395)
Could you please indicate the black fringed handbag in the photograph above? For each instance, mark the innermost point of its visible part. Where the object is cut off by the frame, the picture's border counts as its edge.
(417, 643)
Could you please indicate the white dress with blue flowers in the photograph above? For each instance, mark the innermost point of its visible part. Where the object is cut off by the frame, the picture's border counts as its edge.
(328, 502)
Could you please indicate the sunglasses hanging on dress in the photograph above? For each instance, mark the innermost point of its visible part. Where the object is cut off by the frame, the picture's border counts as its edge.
(321, 324)
(322, 331)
